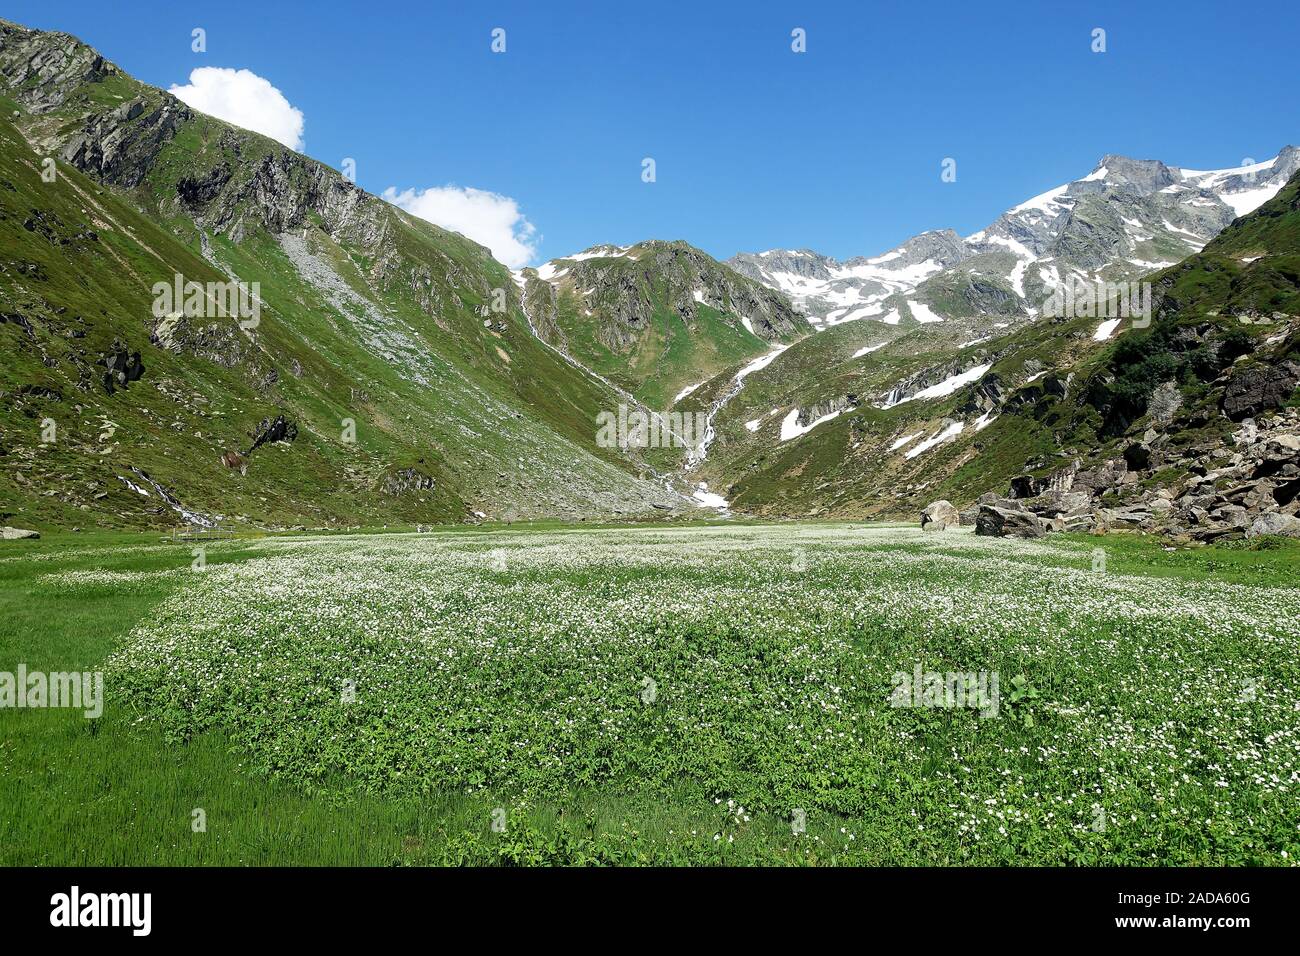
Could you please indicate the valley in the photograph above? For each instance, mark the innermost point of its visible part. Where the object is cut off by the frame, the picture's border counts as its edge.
(388, 543)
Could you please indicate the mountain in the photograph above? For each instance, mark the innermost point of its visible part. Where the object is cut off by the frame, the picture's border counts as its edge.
(391, 375)
(1189, 425)
(1125, 218)
(201, 326)
(655, 317)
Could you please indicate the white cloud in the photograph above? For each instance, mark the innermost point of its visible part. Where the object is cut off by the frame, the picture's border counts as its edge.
(245, 99)
(490, 219)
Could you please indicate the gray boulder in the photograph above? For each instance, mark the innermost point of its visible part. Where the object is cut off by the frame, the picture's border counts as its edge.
(993, 521)
(1274, 522)
(1258, 388)
(1117, 519)
(939, 516)
(17, 534)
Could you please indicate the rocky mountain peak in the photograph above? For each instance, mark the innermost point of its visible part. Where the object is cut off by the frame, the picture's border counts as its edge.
(943, 246)
(44, 69)
(1147, 175)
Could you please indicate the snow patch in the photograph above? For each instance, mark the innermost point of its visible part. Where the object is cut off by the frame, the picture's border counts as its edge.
(790, 427)
(1248, 200)
(708, 499)
(922, 312)
(952, 431)
(948, 385)
(598, 252)
(868, 349)
(1106, 330)
(686, 391)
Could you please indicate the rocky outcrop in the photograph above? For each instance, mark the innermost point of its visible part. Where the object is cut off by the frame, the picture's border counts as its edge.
(995, 521)
(939, 516)
(218, 341)
(1250, 489)
(119, 147)
(272, 430)
(1063, 510)
(120, 367)
(1101, 477)
(406, 480)
(1164, 402)
(45, 68)
(1259, 388)
(984, 396)
(830, 406)
(1032, 486)
(1130, 518)
(1247, 487)
(17, 534)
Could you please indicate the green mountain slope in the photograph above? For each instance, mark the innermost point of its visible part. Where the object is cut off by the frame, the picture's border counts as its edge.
(656, 317)
(373, 324)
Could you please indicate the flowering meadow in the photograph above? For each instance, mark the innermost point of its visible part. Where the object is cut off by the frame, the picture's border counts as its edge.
(737, 680)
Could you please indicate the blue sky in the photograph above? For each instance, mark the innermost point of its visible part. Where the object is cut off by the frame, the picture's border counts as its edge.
(838, 149)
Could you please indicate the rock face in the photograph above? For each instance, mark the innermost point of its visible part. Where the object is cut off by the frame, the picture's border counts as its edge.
(406, 480)
(47, 66)
(17, 534)
(1034, 486)
(272, 430)
(1259, 388)
(994, 521)
(120, 367)
(939, 516)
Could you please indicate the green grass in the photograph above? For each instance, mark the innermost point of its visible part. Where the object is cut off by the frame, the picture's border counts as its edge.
(771, 648)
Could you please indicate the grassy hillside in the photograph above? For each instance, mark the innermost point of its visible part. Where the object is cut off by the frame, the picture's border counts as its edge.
(412, 398)
(657, 317)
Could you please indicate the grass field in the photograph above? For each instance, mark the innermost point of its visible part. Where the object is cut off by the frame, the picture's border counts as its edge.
(653, 695)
